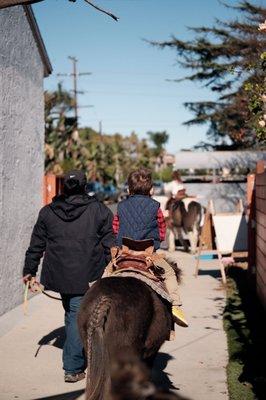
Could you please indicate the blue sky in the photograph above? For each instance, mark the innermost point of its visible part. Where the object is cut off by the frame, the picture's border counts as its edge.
(128, 87)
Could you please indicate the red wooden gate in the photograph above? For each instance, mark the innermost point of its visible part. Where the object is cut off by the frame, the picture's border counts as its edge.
(52, 186)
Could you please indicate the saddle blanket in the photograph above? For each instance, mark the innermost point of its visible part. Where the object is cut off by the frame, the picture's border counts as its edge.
(158, 287)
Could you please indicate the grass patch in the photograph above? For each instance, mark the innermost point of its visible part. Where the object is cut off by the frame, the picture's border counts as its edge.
(244, 323)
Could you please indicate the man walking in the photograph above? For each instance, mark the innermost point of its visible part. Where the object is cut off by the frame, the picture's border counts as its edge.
(74, 233)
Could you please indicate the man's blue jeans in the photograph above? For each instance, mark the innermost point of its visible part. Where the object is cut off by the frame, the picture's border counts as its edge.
(73, 354)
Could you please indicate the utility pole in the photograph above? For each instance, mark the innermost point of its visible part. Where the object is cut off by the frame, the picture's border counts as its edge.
(100, 128)
(75, 74)
(74, 60)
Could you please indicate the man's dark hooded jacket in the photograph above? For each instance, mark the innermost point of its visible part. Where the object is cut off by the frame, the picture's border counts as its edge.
(76, 235)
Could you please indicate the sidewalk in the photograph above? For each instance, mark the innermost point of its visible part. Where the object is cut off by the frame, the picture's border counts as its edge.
(194, 364)
(198, 356)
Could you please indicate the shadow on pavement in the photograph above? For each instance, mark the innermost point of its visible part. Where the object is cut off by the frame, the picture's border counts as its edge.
(159, 376)
(55, 338)
(63, 396)
(214, 273)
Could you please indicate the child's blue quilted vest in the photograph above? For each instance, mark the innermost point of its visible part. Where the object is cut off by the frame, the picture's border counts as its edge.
(138, 219)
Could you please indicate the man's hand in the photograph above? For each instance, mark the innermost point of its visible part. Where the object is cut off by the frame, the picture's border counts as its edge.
(26, 278)
(33, 284)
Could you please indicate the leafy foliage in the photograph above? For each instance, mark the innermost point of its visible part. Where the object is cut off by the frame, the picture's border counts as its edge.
(103, 156)
(224, 58)
(159, 139)
(59, 134)
(256, 93)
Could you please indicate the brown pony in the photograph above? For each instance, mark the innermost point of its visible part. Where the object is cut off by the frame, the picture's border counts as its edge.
(121, 320)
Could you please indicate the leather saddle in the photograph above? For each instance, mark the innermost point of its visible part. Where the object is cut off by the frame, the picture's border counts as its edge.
(137, 256)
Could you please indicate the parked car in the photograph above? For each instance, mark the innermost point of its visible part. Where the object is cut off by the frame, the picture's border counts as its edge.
(158, 187)
(111, 193)
(95, 188)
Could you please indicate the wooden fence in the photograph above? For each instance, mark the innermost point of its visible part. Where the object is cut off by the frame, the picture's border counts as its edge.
(260, 203)
(257, 230)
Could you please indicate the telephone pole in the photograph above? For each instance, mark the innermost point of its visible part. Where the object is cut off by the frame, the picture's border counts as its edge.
(75, 85)
(75, 74)
(100, 127)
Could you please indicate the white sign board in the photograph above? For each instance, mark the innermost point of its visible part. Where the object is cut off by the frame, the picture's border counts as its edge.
(231, 232)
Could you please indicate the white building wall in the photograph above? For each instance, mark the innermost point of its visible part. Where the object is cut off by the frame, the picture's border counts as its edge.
(21, 148)
(218, 159)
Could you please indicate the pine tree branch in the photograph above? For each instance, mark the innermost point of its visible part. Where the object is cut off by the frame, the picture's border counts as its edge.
(223, 58)
(102, 10)
(245, 6)
(215, 31)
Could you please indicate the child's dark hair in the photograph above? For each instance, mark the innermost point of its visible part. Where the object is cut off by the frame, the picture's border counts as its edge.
(140, 182)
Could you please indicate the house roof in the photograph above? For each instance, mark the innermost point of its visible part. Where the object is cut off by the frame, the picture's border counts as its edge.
(34, 28)
(10, 3)
(39, 41)
(217, 159)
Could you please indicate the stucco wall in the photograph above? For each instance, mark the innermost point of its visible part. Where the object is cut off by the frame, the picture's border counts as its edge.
(21, 148)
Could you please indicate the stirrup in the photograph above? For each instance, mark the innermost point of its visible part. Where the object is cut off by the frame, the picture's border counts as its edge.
(179, 317)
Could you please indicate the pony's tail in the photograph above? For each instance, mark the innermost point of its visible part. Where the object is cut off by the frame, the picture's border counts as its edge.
(98, 371)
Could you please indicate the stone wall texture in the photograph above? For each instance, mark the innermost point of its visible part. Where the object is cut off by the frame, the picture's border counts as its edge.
(21, 148)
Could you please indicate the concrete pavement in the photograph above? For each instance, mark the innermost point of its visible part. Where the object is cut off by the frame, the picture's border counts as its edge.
(193, 364)
(199, 353)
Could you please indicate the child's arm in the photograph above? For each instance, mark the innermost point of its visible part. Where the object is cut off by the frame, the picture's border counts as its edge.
(115, 224)
(161, 225)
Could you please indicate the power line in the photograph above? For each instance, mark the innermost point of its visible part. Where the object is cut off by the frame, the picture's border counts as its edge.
(149, 124)
(127, 121)
(131, 73)
(135, 94)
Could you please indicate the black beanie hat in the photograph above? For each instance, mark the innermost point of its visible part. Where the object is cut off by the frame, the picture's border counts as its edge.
(74, 182)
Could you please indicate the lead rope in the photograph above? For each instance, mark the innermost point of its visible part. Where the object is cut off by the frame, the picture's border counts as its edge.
(39, 289)
(25, 298)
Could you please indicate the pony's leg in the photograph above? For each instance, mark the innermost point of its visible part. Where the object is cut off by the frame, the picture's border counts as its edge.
(171, 240)
(193, 239)
(182, 240)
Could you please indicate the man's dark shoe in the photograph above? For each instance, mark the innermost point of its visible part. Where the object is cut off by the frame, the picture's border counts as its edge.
(72, 378)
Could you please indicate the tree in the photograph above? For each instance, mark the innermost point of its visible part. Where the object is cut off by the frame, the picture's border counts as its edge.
(9, 3)
(60, 136)
(159, 139)
(224, 59)
(102, 156)
(257, 97)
